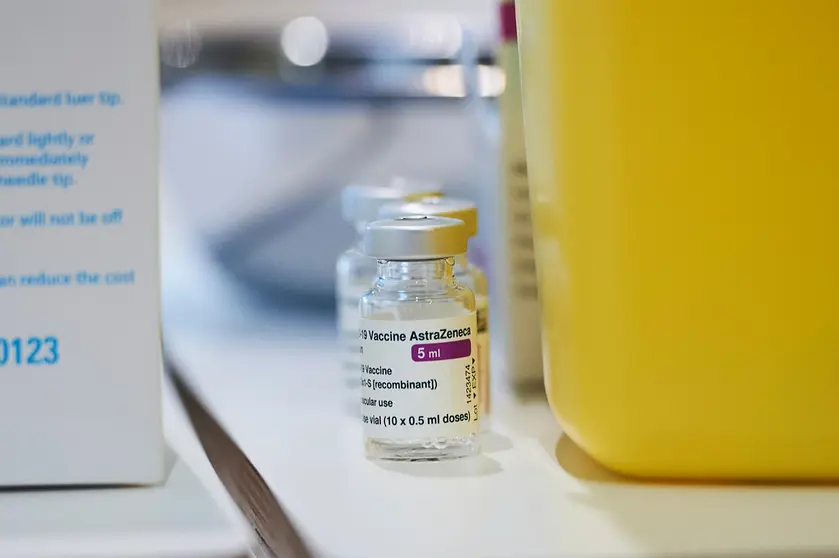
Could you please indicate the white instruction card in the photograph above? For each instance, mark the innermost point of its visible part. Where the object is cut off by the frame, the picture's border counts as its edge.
(80, 348)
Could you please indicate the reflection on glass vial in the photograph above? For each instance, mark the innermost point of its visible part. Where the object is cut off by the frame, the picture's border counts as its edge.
(418, 375)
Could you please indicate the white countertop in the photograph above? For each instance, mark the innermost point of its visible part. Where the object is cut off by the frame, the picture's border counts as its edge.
(533, 494)
(190, 516)
(276, 386)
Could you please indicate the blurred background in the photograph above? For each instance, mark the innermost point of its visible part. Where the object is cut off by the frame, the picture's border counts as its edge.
(270, 107)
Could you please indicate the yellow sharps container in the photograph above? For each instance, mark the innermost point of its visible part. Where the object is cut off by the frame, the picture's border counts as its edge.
(684, 160)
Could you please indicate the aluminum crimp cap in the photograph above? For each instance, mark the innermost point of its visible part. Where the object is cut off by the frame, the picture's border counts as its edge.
(452, 208)
(415, 238)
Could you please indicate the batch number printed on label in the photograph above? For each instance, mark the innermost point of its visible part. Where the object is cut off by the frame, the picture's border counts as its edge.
(419, 378)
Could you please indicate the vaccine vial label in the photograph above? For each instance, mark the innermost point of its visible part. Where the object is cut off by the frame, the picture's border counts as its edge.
(419, 379)
(348, 315)
(482, 343)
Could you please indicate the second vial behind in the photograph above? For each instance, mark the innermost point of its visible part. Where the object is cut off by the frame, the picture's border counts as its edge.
(356, 271)
(465, 272)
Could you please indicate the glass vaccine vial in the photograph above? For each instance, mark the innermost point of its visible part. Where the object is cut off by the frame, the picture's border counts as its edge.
(355, 271)
(465, 272)
(418, 326)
